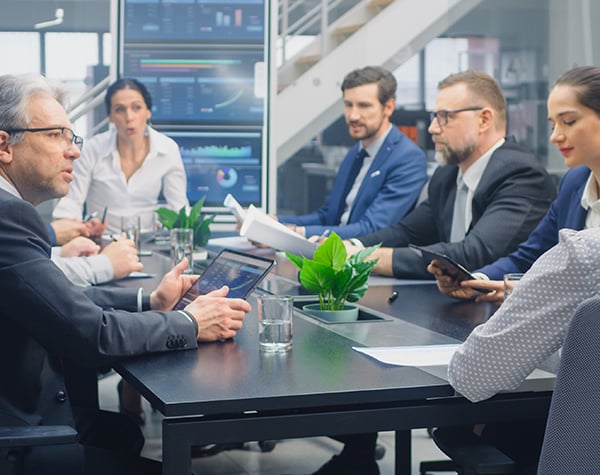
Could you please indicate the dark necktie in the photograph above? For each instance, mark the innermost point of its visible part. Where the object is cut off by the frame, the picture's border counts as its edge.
(354, 169)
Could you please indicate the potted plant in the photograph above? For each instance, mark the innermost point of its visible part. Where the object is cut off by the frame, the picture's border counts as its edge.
(195, 220)
(335, 278)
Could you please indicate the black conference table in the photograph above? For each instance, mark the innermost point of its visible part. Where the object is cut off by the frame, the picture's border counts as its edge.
(230, 391)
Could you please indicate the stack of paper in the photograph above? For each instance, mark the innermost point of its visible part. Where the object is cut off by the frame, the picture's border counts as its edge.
(259, 227)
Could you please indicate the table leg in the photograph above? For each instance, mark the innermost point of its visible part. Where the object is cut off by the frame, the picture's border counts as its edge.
(402, 456)
(177, 453)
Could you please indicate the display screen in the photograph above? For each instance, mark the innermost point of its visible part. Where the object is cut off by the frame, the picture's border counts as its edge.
(199, 86)
(195, 20)
(218, 163)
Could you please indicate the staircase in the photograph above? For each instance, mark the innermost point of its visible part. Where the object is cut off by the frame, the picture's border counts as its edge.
(371, 32)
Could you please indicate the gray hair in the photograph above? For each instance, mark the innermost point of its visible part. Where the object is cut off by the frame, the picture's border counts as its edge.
(15, 94)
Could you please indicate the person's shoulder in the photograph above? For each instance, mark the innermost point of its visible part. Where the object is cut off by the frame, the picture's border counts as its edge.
(575, 176)
(162, 142)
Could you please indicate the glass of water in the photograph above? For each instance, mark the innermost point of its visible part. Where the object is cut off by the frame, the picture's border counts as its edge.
(275, 322)
(182, 245)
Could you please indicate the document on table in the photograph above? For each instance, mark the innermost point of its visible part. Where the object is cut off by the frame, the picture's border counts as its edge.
(425, 355)
(232, 242)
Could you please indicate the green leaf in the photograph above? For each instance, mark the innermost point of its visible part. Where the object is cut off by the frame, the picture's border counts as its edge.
(298, 261)
(202, 230)
(316, 277)
(332, 252)
(195, 213)
(166, 217)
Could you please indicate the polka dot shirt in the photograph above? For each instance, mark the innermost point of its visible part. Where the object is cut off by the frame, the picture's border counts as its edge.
(531, 324)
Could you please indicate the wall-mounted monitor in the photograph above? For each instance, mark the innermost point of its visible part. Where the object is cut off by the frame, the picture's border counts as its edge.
(240, 21)
(218, 163)
(206, 66)
(200, 85)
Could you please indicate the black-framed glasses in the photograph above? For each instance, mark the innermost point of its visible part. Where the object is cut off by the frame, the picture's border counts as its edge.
(443, 115)
(67, 134)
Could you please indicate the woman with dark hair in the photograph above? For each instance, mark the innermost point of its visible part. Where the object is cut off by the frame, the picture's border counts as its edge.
(126, 169)
(574, 116)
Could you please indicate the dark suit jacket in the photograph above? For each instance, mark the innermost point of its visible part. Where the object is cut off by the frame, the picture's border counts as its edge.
(565, 212)
(389, 190)
(514, 193)
(49, 326)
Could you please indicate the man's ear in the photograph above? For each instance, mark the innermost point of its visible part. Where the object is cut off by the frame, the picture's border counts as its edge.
(486, 119)
(5, 148)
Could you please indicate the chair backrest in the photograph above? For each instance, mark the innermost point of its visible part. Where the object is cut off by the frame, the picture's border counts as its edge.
(573, 430)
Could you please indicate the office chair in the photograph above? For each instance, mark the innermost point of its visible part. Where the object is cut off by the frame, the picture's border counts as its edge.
(15, 439)
(573, 429)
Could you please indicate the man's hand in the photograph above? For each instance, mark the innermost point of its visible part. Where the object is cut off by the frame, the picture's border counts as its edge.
(172, 287)
(496, 286)
(449, 285)
(79, 246)
(95, 227)
(123, 257)
(67, 229)
(218, 318)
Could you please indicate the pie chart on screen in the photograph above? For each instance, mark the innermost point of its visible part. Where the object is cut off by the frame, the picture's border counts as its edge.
(227, 177)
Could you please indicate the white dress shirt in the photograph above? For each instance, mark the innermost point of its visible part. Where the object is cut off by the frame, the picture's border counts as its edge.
(531, 324)
(471, 178)
(99, 181)
(590, 201)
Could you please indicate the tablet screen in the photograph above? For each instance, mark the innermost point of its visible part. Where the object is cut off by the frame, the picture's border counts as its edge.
(239, 271)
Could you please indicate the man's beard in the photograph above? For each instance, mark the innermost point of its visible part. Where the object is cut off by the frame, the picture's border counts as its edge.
(449, 156)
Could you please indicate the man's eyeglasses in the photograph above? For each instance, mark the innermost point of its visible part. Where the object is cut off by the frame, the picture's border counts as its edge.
(66, 134)
(443, 115)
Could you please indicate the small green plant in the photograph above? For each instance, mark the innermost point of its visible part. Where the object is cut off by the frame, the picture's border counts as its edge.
(195, 220)
(334, 277)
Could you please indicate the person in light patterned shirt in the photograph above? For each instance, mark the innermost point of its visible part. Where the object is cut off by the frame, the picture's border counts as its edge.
(531, 324)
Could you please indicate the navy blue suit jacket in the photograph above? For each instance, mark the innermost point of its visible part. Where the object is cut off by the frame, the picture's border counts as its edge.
(565, 212)
(512, 197)
(389, 190)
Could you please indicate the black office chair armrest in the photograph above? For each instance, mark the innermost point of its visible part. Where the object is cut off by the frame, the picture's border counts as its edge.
(472, 453)
(27, 436)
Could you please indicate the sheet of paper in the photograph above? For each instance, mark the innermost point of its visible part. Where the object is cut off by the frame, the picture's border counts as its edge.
(426, 355)
(259, 227)
(232, 242)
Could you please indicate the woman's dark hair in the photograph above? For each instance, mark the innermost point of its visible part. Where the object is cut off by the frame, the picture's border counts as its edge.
(127, 83)
(585, 80)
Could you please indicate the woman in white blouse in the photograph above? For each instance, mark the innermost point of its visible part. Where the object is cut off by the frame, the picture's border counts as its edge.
(125, 169)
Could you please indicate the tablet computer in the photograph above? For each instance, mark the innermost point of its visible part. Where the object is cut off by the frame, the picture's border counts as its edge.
(451, 267)
(241, 272)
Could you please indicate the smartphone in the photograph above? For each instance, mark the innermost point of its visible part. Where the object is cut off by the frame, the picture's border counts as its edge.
(451, 267)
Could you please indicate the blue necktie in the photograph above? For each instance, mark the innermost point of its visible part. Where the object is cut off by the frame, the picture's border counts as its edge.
(354, 169)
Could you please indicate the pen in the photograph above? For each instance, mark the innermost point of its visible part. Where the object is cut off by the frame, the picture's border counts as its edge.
(91, 216)
(393, 297)
(104, 214)
(324, 235)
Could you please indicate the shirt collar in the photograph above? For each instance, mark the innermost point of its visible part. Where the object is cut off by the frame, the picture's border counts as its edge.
(472, 175)
(373, 148)
(9, 188)
(590, 197)
(157, 146)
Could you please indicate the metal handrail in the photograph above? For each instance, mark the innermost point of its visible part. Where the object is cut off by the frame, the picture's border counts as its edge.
(318, 14)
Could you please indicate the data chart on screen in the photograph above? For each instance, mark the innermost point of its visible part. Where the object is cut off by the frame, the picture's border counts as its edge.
(220, 163)
(194, 20)
(201, 86)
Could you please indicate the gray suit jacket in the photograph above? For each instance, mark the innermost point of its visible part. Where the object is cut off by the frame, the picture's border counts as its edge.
(513, 195)
(50, 328)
